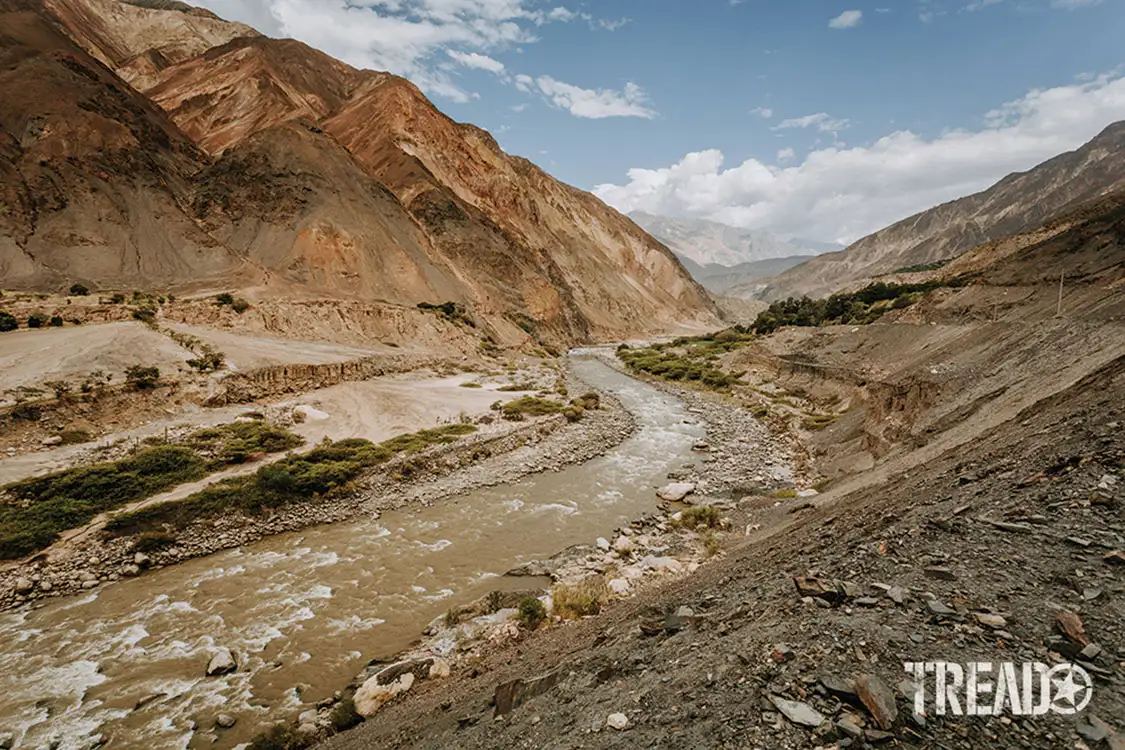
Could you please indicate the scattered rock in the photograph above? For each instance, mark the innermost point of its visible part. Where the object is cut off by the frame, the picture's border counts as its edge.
(618, 586)
(1117, 557)
(841, 687)
(130, 570)
(797, 712)
(1070, 625)
(878, 698)
(676, 491)
(440, 669)
(603, 544)
(225, 721)
(510, 695)
(623, 545)
(50, 441)
(221, 663)
(24, 585)
(617, 721)
(816, 588)
(940, 609)
(142, 560)
(372, 695)
(989, 620)
(940, 572)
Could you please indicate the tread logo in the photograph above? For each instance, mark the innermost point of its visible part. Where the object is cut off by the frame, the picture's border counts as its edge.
(988, 689)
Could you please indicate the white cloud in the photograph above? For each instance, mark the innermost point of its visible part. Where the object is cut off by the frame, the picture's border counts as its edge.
(822, 121)
(841, 194)
(595, 103)
(764, 112)
(477, 61)
(849, 19)
(786, 154)
(406, 37)
(1074, 4)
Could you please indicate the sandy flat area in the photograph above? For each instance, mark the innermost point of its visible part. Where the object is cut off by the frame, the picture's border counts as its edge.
(246, 352)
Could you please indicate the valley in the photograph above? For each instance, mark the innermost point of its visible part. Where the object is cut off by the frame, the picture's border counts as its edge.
(325, 421)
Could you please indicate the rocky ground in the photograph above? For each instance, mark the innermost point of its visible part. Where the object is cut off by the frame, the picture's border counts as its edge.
(1006, 550)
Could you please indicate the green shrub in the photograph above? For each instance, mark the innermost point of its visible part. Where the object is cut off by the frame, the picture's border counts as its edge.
(224, 299)
(470, 385)
(8, 321)
(56, 321)
(117, 298)
(517, 387)
(36, 320)
(78, 290)
(73, 437)
(530, 406)
(327, 468)
(343, 715)
(451, 311)
(532, 612)
(590, 400)
(141, 377)
(145, 315)
(240, 305)
(277, 737)
(573, 413)
(209, 360)
(701, 516)
(582, 599)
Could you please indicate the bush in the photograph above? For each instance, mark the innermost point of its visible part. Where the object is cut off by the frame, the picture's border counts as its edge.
(590, 400)
(78, 290)
(8, 321)
(277, 737)
(74, 437)
(153, 541)
(532, 612)
(224, 299)
(531, 406)
(141, 377)
(36, 320)
(209, 360)
(582, 599)
(240, 305)
(145, 315)
(573, 413)
(344, 716)
(117, 298)
(701, 516)
(56, 321)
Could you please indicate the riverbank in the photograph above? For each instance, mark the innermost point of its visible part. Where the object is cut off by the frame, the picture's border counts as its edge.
(500, 452)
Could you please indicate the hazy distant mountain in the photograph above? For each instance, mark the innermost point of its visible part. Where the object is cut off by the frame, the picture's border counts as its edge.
(742, 280)
(712, 243)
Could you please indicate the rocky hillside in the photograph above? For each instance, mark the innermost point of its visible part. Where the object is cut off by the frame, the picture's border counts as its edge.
(712, 243)
(1018, 203)
(154, 145)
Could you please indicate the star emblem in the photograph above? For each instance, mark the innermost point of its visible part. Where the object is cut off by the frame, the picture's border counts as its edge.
(1072, 688)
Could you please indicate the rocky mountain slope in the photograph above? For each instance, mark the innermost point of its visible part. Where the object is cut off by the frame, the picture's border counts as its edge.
(154, 145)
(1018, 203)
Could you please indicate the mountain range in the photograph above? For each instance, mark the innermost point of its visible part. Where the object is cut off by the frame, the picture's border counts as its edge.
(154, 145)
(1018, 203)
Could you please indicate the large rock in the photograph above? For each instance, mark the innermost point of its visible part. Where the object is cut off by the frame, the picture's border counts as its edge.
(798, 713)
(24, 585)
(878, 698)
(221, 663)
(373, 695)
(510, 695)
(676, 491)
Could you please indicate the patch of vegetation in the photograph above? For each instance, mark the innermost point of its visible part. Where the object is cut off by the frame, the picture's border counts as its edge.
(711, 542)
(142, 378)
(517, 387)
(864, 306)
(689, 358)
(8, 321)
(924, 266)
(146, 315)
(451, 311)
(582, 599)
(240, 305)
(117, 298)
(36, 320)
(50, 504)
(56, 321)
(329, 468)
(701, 517)
(471, 385)
(209, 359)
(53, 503)
(224, 299)
(344, 716)
(588, 400)
(784, 494)
(153, 541)
(278, 737)
(532, 612)
(79, 290)
(817, 422)
(530, 406)
(74, 437)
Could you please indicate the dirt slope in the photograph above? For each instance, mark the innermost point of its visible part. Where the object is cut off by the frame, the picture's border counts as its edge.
(1018, 203)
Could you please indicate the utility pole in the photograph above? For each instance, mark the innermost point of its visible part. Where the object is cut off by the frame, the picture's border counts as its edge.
(1058, 313)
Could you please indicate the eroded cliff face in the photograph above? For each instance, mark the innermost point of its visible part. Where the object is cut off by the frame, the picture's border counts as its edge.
(230, 159)
(1018, 203)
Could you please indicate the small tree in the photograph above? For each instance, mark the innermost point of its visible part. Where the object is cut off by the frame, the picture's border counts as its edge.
(224, 299)
(79, 290)
(8, 321)
(240, 305)
(56, 321)
(36, 320)
(141, 377)
(532, 612)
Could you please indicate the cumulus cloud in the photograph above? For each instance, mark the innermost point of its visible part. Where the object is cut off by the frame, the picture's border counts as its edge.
(592, 103)
(406, 37)
(841, 194)
(764, 112)
(849, 19)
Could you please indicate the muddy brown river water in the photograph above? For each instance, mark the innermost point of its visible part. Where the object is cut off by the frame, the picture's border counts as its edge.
(304, 612)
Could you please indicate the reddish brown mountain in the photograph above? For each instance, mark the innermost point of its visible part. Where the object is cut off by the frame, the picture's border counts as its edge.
(268, 164)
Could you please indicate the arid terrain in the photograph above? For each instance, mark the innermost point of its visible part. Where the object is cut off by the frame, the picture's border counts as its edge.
(325, 422)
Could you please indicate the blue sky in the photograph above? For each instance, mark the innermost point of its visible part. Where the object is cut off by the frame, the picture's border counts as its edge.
(806, 117)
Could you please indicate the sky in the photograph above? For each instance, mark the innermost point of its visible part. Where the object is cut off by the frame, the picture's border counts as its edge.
(818, 119)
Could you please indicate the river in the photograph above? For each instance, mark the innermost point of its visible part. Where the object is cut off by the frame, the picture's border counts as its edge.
(305, 611)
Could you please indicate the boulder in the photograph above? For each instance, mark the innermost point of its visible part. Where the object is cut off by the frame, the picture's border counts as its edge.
(619, 586)
(24, 585)
(676, 491)
(617, 721)
(51, 441)
(130, 570)
(623, 545)
(797, 712)
(373, 695)
(878, 698)
(221, 663)
(603, 544)
(225, 721)
(142, 560)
